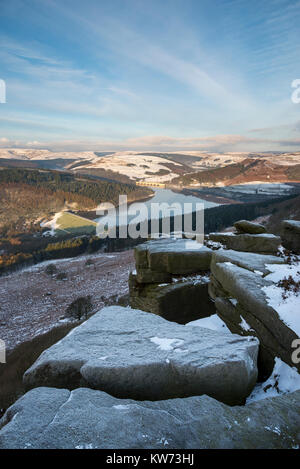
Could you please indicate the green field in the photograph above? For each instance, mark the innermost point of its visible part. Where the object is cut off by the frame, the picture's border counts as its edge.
(73, 224)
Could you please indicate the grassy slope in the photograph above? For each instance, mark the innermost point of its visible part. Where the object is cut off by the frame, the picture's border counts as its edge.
(73, 224)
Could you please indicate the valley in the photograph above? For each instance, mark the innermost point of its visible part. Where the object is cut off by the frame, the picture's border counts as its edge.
(49, 199)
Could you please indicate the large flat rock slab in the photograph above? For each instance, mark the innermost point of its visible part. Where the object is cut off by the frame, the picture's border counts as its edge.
(49, 418)
(132, 354)
(172, 256)
(254, 262)
(264, 243)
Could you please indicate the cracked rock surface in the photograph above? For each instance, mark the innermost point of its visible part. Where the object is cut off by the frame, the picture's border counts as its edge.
(132, 354)
(88, 419)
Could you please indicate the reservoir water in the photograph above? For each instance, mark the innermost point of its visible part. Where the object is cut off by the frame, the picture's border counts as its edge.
(170, 197)
(124, 214)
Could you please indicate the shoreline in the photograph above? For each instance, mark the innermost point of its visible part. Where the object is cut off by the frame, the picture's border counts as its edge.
(209, 197)
(92, 214)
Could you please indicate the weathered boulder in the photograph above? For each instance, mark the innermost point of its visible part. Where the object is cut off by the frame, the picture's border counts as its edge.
(260, 243)
(133, 354)
(254, 262)
(152, 287)
(150, 276)
(242, 304)
(49, 418)
(141, 251)
(173, 256)
(245, 226)
(182, 301)
(290, 234)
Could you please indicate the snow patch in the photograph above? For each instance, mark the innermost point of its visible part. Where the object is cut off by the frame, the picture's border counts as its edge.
(214, 244)
(166, 344)
(212, 322)
(244, 325)
(121, 407)
(52, 224)
(287, 308)
(163, 441)
(84, 446)
(258, 272)
(283, 379)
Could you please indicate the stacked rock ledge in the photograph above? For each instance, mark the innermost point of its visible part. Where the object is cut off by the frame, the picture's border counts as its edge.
(264, 243)
(242, 305)
(158, 285)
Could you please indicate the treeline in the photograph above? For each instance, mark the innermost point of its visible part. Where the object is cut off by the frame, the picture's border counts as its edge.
(29, 195)
(96, 190)
(215, 219)
(63, 249)
(218, 218)
(22, 205)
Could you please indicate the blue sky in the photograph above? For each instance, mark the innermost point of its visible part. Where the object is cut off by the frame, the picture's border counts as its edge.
(156, 74)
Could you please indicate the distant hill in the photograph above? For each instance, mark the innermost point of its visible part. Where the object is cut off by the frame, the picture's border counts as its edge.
(162, 167)
(247, 171)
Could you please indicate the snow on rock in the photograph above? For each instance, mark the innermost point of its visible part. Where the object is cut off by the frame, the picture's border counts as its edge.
(166, 344)
(244, 325)
(84, 446)
(275, 323)
(214, 244)
(288, 308)
(212, 322)
(284, 379)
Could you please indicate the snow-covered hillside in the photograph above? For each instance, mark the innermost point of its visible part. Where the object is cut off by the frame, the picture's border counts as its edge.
(137, 167)
(32, 154)
(145, 166)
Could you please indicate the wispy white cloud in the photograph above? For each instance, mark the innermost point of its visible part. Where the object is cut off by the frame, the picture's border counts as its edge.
(218, 143)
(119, 78)
(147, 52)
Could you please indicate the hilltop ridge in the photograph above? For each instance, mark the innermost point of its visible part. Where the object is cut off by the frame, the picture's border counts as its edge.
(184, 167)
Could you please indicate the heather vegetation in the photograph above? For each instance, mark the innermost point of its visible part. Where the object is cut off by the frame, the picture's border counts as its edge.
(40, 249)
(80, 308)
(245, 171)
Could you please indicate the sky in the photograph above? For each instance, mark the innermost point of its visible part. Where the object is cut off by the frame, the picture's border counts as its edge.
(158, 75)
